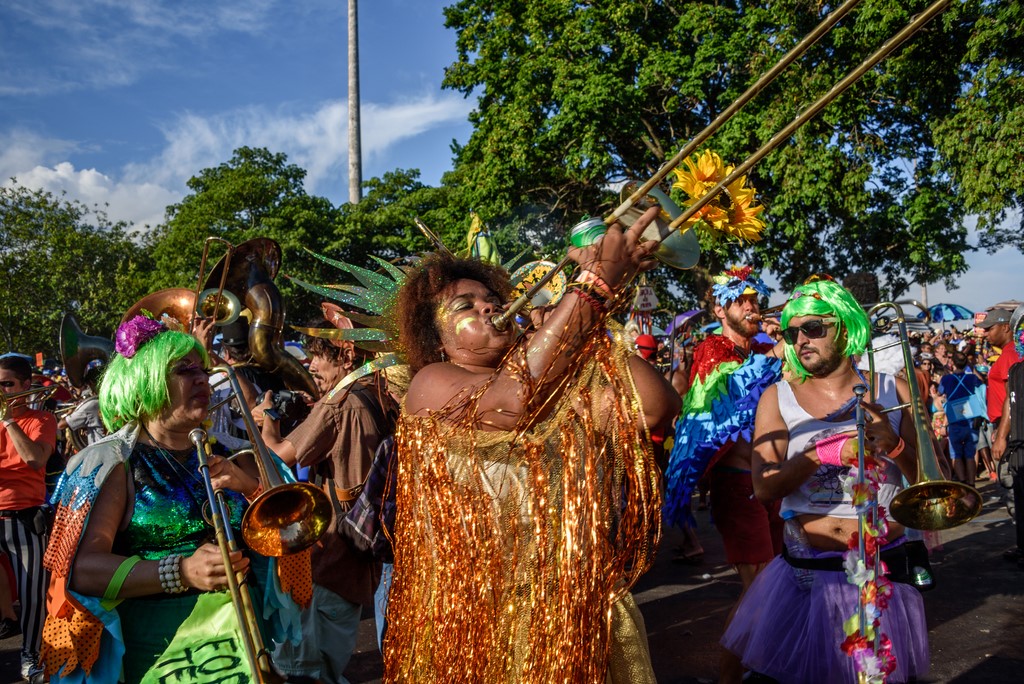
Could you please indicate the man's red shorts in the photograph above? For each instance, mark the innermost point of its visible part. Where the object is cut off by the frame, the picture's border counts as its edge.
(751, 530)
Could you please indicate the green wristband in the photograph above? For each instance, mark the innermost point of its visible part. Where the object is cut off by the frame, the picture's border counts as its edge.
(120, 575)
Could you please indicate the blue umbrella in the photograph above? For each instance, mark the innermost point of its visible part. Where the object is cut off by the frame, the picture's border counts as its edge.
(942, 313)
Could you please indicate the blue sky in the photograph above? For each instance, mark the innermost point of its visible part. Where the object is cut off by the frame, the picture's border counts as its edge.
(119, 102)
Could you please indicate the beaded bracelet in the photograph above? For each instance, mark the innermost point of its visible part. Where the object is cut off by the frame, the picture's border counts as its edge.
(590, 299)
(170, 574)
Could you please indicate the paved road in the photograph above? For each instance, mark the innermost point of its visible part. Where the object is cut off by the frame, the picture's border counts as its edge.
(975, 614)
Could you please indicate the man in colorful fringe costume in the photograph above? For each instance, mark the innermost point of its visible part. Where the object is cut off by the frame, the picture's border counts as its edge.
(799, 622)
(136, 586)
(527, 494)
(728, 375)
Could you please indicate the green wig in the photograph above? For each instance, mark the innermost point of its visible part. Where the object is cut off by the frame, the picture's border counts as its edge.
(826, 298)
(136, 388)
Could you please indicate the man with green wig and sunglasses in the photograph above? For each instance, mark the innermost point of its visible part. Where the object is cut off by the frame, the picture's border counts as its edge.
(794, 622)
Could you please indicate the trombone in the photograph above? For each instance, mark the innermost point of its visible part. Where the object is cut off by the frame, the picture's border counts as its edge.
(7, 401)
(288, 516)
(661, 232)
(238, 585)
(933, 502)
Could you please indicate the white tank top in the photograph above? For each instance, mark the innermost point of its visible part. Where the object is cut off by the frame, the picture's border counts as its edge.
(822, 493)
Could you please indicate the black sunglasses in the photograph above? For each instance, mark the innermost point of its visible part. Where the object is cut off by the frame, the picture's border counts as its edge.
(813, 329)
(8, 384)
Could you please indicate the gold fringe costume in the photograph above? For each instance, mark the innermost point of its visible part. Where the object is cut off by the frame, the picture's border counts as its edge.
(515, 551)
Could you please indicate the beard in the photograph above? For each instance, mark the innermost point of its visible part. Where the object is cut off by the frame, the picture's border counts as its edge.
(737, 321)
(824, 362)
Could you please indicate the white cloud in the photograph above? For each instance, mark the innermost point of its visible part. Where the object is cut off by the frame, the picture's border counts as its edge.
(139, 203)
(314, 140)
(22, 150)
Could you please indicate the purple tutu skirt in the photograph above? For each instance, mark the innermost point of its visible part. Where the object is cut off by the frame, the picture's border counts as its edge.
(789, 626)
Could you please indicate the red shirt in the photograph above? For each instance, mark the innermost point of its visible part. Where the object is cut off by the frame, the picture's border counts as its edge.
(21, 485)
(997, 377)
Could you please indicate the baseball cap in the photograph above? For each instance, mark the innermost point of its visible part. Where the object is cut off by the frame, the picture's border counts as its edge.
(995, 317)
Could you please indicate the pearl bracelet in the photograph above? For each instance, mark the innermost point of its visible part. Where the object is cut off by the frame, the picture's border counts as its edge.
(170, 574)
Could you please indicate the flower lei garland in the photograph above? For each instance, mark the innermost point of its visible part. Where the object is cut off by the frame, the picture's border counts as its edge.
(871, 649)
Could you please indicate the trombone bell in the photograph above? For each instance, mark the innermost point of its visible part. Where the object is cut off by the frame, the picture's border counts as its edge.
(678, 248)
(286, 519)
(935, 505)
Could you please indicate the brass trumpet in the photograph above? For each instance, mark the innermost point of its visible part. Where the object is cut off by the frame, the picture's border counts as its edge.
(933, 503)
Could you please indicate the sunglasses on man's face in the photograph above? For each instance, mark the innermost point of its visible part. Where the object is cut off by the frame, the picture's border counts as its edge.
(813, 329)
(8, 384)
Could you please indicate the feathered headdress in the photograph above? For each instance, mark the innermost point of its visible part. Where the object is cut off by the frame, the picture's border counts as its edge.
(376, 297)
(375, 300)
(735, 282)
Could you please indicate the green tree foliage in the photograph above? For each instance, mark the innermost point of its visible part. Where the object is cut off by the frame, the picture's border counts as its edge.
(59, 256)
(383, 222)
(982, 140)
(259, 194)
(574, 97)
(255, 194)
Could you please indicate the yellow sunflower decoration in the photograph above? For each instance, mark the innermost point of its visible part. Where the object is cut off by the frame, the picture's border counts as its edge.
(731, 213)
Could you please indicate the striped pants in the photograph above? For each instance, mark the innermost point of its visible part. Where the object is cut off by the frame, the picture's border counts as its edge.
(24, 549)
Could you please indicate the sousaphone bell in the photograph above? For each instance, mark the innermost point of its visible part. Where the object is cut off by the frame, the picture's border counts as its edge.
(78, 350)
(247, 271)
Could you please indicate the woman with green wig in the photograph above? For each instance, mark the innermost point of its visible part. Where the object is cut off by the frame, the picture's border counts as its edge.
(130, 551)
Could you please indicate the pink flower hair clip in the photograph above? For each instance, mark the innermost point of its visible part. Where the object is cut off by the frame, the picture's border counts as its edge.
(134, 333)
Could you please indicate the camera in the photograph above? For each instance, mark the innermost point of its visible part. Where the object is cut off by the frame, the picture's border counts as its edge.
(283, 403)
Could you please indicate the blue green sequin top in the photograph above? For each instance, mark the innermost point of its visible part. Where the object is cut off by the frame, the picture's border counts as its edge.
(169, 502)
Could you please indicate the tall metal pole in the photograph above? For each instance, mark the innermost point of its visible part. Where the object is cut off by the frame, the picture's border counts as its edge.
(355, 155)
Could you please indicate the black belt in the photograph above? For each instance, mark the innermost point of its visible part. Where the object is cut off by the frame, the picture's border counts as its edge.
(895, 558)
(20, 511)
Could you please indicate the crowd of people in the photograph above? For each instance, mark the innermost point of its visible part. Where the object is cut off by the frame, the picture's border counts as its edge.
(530, 472)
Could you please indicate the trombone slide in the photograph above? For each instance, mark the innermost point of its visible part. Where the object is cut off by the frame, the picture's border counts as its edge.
(238, 586)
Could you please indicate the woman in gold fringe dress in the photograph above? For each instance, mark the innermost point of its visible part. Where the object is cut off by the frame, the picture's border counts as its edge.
(528, 498)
